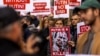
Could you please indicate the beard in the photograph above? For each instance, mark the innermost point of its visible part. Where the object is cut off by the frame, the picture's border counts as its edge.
(91, 22)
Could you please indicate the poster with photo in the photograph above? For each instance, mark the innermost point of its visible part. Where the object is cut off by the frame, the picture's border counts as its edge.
(59, 38)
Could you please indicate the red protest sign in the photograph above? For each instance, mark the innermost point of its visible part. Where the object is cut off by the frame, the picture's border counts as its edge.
(58, 41)
(18, 6)
(15, 1)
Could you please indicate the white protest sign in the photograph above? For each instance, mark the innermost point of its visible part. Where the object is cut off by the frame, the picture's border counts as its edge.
(41, 7)
(20, 5)
(74, 3)
(61, 9)
(24, 6)
(81, 28)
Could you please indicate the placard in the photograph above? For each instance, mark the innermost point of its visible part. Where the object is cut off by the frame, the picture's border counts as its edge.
(81, 28)
(36, 7)
(41, 7)
(59, 38)
(61, 9)
(74, 3)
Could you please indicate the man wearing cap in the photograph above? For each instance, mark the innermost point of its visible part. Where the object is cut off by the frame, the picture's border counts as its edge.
(11, 33)
(89, 42)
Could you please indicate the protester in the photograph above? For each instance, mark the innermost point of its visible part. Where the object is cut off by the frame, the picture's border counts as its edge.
(45, 17)
(11, 34)
(88, 42)
(44, 33)
(59, 23)
(34, 20)
(75, 18)
(26, 22)
(51, 22)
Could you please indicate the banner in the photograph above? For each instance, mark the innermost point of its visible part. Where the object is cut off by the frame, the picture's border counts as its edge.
(39, 7)
(58, 41)
(81, 28)
(61, 9)
(74, 3)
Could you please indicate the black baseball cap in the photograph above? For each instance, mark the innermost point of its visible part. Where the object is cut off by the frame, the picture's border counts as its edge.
(8, 16)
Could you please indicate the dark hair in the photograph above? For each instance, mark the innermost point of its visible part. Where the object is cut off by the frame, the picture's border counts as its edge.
(44, 17)
(74, 15)
(60, 19)
(43, 22)
(28, 13)
(98, 1)
(51, 18)
(83, 1)
(7, 16)
(76, 10)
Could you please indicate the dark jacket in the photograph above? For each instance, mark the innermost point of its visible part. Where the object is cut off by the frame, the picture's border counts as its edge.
(73, 31)
(8, 47)
(44, 33)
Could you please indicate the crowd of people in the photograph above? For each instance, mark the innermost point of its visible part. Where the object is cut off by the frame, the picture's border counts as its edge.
(29, 35)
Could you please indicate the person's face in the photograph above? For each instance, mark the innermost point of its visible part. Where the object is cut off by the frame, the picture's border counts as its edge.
(88, 16)
(46, 23)
(75, 20)
(61, 40)
(59, 23)
(51, 23)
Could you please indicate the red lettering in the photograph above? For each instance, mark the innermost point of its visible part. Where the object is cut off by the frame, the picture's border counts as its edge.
(61, 7)
(61, 3)
(15, 1)
(58, 53)
(39, 4)
(17, 6)
(73, 0)
(43, 10)
(84, 28)
(39, 8)
(74, 4)
(61, 11)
